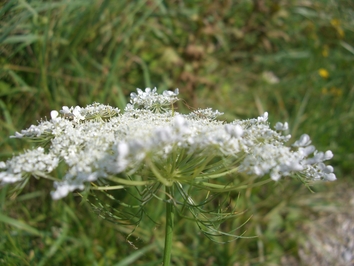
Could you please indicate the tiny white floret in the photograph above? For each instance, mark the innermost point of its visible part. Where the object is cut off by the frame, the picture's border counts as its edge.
(54, 114)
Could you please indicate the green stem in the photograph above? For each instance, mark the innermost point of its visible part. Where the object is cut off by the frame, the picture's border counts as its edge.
(169, 227)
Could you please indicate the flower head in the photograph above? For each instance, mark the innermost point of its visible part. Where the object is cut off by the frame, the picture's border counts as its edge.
(149, 144)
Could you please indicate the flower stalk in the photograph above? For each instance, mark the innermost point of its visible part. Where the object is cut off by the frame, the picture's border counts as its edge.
(168, 226)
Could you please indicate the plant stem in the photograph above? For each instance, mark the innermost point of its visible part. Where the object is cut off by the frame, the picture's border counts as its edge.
(169, 227)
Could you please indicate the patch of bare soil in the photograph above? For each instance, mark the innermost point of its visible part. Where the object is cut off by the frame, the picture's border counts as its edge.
(330, 236)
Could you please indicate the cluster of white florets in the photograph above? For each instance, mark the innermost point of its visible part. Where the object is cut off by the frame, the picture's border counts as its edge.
(151, 100)
(33, 162)
(98, 142)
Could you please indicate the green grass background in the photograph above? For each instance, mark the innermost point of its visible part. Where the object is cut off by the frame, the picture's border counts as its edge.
(218, 53)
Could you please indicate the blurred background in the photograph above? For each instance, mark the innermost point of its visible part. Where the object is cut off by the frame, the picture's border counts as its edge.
(292, 58)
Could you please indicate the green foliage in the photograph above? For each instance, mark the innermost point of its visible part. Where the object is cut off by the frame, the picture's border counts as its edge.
(291, 58)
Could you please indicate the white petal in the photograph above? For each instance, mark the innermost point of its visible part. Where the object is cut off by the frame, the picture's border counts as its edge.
(328, 155)
(54, 114)
(303, 141)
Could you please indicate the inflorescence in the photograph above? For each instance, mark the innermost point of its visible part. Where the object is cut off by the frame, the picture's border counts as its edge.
(150, 142)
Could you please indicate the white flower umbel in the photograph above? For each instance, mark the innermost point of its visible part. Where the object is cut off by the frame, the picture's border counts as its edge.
(151, 143)
(34, 162)
(150, 146)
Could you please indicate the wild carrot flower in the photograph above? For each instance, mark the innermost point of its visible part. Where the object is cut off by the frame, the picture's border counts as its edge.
(150, 143)
(150, 146)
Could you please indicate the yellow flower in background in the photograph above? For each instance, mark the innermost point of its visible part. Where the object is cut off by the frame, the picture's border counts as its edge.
(336, 24)
(340, 32)
(337, 92)
(323, 73)
(333, 91)
(325, 51)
